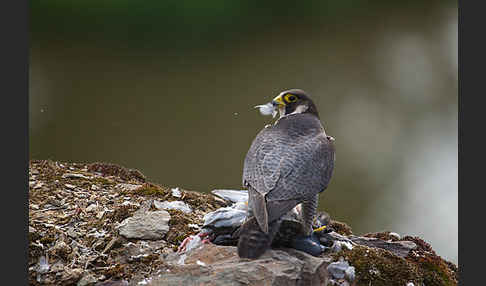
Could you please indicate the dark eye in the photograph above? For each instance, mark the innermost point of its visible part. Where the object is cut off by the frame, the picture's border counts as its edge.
(291, 98)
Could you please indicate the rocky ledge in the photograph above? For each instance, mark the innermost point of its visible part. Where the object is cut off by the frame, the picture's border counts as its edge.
(102, 224)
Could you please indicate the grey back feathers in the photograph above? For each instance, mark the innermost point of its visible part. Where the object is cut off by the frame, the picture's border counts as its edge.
(287, 164)
(292, 160)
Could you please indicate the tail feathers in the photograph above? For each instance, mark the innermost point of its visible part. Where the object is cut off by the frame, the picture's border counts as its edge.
(253, 242)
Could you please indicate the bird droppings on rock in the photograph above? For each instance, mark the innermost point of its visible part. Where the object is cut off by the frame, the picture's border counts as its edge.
(70, 244)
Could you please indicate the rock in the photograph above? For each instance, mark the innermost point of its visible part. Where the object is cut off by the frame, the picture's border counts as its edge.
(339, 271)
(87, 279)
(91, 208)
(350, 274)
(174, 205)
(69, 186)
(113, 283)
(75, 176)
(148, 225)
(67, 243)
(399, 248)
(220, 265)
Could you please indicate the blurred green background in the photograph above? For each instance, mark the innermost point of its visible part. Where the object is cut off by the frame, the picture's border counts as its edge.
(168, 88)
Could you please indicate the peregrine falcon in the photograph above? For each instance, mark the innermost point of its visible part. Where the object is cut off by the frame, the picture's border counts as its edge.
(288, 163)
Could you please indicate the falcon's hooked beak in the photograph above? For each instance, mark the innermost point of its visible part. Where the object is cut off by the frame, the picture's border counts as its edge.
(279, 103)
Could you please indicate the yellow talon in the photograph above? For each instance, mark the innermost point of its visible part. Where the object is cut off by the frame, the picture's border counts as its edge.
(320, 228)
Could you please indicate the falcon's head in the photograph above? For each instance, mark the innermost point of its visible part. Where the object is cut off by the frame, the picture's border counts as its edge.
(294, 101)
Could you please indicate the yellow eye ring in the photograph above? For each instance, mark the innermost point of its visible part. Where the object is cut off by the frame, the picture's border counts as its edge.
(290, 98)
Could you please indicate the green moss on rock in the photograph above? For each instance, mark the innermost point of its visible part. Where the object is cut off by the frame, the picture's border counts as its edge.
(153, 190)
(378, 267)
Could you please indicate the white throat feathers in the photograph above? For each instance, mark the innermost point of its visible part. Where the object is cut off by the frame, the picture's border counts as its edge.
(300, 109)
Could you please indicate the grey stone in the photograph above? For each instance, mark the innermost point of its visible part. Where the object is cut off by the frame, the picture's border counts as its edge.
(113, 283)
(220, 265)
(399, 248)
(148, 225)
(340, 269)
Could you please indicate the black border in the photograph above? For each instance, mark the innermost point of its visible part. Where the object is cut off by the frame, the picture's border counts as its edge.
(14, 23)
(471, 88)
